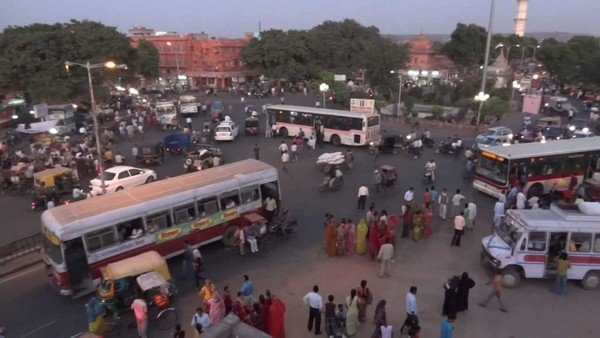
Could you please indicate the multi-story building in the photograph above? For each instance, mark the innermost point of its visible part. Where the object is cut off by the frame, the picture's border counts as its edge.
(200, 60)
(425, 64)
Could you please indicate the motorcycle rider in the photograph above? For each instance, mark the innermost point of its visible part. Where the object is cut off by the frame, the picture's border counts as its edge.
(426, 138)
(430, 170)
(416, 147)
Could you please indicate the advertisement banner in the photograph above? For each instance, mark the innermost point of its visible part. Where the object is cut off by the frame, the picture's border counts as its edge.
(198, 224)
(362, 105)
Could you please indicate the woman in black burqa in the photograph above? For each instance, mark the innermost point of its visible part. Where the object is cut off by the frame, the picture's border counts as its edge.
(450, 288)
(462, 293)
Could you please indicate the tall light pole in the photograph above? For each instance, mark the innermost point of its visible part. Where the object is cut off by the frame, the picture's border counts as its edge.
(176, 61)
(486, 59)
(324, 87)
(399, 91)
(89, 67)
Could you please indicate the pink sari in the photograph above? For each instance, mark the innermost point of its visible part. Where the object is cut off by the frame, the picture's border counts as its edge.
(217, 308)
(350, 238)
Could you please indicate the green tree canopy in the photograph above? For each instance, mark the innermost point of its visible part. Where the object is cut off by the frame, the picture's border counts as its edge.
(32, 58)
(337, 47)
(467, 45)
(147, 60)
(574, 61)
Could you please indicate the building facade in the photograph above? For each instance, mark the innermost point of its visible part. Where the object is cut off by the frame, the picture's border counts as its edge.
(425, 64)
(200, 60)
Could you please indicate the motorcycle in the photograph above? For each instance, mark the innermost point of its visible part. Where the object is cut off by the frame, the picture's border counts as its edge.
(284, 225)
(331, 183)
(428, 177)
(445, 147)
(428, 141)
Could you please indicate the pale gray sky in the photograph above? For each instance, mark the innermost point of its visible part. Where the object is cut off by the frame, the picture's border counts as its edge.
(231, 18)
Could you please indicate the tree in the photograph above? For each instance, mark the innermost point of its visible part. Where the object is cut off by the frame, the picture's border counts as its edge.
(467, 45)
(147, 60)
(495, 106)
(574, 61)
(32, 58)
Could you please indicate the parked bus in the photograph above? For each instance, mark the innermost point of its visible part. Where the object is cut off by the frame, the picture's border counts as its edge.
(537, 167)
(340, 126)
(526, 243)
(200, 207)
(188, 104)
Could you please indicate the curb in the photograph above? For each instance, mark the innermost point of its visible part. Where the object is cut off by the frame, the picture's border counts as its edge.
(19, 268)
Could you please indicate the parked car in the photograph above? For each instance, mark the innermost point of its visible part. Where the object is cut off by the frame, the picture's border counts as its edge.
(553, 133)
(121, 177)
(583, 133)
(494, 136)
(547, 121)
(226, 131)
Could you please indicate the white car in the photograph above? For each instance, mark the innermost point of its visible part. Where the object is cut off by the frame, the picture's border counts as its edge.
(493, 137)
(226, 131)
(121, 177)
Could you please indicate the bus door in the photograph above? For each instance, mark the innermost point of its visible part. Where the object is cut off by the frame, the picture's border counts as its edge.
(532, 254)
(556, 244)
(270, 189)
(77, 265)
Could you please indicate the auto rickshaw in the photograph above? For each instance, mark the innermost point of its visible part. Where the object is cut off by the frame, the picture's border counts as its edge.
(60, 180)
(151, 154)
(144, 276)
(251, 126)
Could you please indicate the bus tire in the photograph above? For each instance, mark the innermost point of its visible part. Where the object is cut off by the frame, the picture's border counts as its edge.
(511, 277)
(284, 132)
(229, 236)
(591, 280)
(335, 140)
(535, 190)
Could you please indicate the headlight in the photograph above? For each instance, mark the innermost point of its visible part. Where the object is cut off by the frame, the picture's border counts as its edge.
(408, 137)
(572, 128)
(585, 130)
(510, 136)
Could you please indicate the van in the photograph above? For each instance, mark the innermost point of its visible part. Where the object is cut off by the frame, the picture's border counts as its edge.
(526, 243)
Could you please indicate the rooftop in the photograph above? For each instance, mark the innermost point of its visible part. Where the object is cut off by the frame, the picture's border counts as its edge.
(558, 147)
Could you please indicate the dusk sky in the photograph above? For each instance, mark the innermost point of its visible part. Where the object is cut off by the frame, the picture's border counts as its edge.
(231, 18)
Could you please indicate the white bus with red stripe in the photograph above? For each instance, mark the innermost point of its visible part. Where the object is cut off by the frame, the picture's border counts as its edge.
(340, 126)
(537, 167)
(200, 208)
(527, 241)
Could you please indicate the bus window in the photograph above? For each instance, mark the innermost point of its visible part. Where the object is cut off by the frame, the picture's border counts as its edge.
(537, 241)
(130, 229)
(230, 199)
(161, 220)
(373, 121)
(207, 206)
(184, 213)
(100, 239)
(597, 243)
(356, 124)
(250, 194)
(580, 242)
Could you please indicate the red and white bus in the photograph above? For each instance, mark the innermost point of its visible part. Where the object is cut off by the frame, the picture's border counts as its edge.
(539, 166)
(200, 207)
(340, 126)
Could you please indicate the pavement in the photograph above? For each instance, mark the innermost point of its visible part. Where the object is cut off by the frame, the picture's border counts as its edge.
(31, 308)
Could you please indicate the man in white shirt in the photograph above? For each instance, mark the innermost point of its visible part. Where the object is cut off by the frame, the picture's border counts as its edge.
(411, 309)
(294, 149)
(472, 207)
(430, 168)
(270, 208)
(283, 147)
(200, 321)
(459, 226)
(285, 158)
(409, 196)
(499, 211)
(363, 192)
(385, 256)
(315, 306)
(457, 201)
(140, 309)
(119, 159)
(521, 200)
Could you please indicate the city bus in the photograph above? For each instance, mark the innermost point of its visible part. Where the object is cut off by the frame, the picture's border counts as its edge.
(188, 104)
(538, 167)
(340, 126)
(199, 208)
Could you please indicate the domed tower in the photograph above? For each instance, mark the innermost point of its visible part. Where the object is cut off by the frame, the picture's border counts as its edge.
(521, 17)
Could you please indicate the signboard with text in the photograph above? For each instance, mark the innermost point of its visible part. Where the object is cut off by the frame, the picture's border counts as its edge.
(362, 105)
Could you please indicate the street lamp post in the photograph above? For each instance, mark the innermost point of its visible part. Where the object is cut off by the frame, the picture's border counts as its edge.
(515, 85)
(176, 63)
(481, 97)
(324, 87)
(89, 67)
(486, 59)
(399, 91)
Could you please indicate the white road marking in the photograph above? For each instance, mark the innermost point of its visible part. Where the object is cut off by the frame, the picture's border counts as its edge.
(39, 329)
(21, 273)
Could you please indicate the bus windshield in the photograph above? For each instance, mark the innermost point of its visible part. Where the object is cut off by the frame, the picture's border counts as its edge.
(509, 234)
(187, 100)
(494, 170)
(53, 251)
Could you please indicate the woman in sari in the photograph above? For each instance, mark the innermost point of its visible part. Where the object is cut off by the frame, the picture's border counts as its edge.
(330, 238)
(217, 308)
(352, 313)
(239, 307)
(361, 237)
(426, 218)
(350, 237)
(206, 292)
(363, 293)
(373, 240)
(340, 238)
(417, 229)
(407, 221)
(379, 319)
(275, 321)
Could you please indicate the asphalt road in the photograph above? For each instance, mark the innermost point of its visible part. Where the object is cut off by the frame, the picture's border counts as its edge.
(32, 309)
